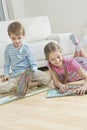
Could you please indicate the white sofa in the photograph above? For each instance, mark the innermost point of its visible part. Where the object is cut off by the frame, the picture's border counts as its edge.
(38, 34)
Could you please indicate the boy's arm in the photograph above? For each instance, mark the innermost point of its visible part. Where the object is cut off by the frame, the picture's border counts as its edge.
(31, 59)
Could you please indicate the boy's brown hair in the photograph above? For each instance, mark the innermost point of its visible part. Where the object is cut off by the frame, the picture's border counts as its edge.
(16, 28)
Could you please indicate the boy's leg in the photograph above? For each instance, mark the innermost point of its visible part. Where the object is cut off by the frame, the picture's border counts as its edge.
(33, 84)
(24, 82)
(43, 77)
(8, 86)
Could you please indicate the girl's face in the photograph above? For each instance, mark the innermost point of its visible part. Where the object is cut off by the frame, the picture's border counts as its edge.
(17, 40)
(56, 59)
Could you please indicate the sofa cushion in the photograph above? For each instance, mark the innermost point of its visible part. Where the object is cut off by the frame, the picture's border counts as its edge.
(37, 28)
(38, 49)
(68, 48)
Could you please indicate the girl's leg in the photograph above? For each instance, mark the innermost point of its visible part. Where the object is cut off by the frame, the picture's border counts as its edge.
(83, 53)
(80, 53)
(76, 54)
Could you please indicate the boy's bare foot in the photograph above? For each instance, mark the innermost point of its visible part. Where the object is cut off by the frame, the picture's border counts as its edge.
(13, 89)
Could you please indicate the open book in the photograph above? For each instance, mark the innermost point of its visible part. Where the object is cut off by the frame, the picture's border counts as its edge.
(55, 92)
(6, 98)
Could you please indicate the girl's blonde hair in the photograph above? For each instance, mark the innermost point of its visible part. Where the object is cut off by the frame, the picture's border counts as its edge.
(50, 47)
(16, 28)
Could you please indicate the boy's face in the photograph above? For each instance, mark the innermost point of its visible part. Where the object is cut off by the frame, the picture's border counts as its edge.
(17, 40)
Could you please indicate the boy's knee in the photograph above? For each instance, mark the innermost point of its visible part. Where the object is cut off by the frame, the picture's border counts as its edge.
(46, 80)
(43, 77)
(6, 87)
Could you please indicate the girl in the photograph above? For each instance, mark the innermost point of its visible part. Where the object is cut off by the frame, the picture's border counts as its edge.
(65, 70)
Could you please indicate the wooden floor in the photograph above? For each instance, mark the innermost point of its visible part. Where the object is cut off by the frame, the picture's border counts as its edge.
(39, 113)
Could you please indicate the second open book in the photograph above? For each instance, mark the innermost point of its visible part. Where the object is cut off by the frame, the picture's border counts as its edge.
(55, 92)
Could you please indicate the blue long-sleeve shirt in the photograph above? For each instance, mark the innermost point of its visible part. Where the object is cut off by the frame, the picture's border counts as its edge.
(18, 60)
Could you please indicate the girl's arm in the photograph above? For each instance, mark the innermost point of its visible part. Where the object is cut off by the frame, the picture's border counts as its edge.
(57, 83)
(83, 75)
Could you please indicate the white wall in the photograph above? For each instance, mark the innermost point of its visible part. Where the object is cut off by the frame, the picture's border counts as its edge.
(64, 15)
(16, 8)
(5, 9)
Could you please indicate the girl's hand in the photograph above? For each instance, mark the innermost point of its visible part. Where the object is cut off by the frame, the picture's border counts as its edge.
(5, 79)
(81, 90)
(62, 88)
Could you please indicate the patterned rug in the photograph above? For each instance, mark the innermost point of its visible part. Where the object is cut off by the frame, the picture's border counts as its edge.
(6, 98)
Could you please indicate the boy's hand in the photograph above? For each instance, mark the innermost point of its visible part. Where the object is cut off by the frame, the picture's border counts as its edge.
(5, 79)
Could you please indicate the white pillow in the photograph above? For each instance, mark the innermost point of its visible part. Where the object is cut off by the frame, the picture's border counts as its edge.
(36, 28)
(66, 44)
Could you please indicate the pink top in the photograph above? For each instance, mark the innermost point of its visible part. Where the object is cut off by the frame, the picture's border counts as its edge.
(72, 67)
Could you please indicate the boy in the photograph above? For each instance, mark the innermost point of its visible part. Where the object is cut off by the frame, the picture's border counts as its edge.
(19, 57)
